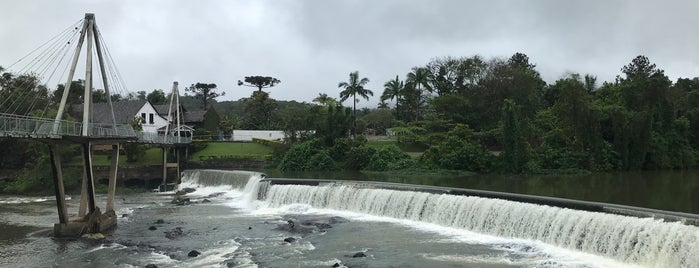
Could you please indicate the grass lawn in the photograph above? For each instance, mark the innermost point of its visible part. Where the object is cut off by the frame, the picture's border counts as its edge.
(232, 150)
(153, 156)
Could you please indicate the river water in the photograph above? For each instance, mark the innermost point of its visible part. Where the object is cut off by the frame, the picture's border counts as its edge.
(235, 220)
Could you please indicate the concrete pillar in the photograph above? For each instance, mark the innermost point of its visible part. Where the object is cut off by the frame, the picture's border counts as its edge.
(58, 183)
(164, 165)
(112, 177)
(90, 183)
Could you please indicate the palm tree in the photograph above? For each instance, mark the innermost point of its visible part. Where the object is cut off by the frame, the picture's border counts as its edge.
(393, 89)
(419, 79)
(354, 87)
(324, 99)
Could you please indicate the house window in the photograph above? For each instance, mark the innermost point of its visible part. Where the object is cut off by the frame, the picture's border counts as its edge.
(150, 119)
(143, 116)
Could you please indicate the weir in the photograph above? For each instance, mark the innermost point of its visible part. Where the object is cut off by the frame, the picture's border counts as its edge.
(632, 235)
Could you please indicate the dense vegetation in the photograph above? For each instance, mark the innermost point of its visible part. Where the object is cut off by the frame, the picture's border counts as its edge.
(466, 113)
(500, 116)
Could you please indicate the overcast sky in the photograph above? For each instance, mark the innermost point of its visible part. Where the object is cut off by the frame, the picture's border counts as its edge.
(312, 45)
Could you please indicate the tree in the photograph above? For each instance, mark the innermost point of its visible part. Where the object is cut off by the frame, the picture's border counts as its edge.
(418, 81)
(259, 110)
(157, 97)
(516, 148)
(259, 82)
(204, 92)
(392, 90)
(325, 100)
(354, 87)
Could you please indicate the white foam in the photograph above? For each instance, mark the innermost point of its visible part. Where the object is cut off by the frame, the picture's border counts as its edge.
(570, 232)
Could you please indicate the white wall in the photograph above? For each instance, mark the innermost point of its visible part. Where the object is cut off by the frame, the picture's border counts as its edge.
(248, 135)
(158, 121)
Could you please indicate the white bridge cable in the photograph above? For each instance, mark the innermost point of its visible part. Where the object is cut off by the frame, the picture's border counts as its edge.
(45, 59)
(62, 53)
(115, 76)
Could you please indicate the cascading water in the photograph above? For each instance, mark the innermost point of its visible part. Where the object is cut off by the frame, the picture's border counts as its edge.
(217, 181)
(644, 241)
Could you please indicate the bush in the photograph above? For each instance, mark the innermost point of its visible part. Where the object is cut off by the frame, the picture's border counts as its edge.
(359, 157)
(456, 154)
(389, 158)
(321, 161)
(298, 156)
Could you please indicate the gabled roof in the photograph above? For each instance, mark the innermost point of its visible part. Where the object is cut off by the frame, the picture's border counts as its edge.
(124, 111)
(194, 116)
(162, 109)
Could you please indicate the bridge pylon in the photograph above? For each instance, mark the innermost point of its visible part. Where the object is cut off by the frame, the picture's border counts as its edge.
(90, 218)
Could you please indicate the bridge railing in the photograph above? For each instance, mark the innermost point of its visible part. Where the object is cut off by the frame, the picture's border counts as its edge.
(12, 125)
(27, 126)
(149, 137)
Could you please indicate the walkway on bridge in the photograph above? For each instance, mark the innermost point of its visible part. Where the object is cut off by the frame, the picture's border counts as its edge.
(23, 117)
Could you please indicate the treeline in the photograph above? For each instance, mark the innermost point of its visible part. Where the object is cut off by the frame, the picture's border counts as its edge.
(501, 116)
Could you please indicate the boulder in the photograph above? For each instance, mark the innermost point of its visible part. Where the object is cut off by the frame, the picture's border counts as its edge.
(181, 201)
(150, 265)
(152, 228)
(337, 264)
(206, 201)
(359, 255)
(290, 240)
(160, 221)
(194, 253)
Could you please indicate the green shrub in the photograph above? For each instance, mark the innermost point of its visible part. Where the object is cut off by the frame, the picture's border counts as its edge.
(359, 157)
(389, 158)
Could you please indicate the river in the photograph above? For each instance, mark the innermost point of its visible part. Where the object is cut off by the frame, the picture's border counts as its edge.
(244, 222)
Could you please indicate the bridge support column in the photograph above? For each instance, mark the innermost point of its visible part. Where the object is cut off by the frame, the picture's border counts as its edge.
(112, 177)
(164, 166)
(90, 182)
(58, 183)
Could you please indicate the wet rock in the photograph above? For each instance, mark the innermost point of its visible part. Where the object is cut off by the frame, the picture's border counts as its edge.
(160, 221)
(151, 266)
(337, 219)
(206, 201)
(180, 192)
(249, 227)
(124, 215)
(215, 195)
(152, 228)
(337, 264)
(175, 233)
(194, 253)
(290, 240)
(359, 255)
(181, 201)
(189, 190)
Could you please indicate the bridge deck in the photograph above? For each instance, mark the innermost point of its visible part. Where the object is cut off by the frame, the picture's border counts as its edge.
(27, 127)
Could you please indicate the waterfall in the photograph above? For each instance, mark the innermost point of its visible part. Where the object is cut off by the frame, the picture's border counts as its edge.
(213, 181)
(239, 180)
(644, 241)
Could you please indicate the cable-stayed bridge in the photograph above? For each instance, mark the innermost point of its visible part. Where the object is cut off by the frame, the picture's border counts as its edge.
(29, 109)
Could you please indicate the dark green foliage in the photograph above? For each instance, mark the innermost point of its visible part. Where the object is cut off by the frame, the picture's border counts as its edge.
(516, 149)
(389, 158)
(358, 157)
(259, 109)
(259, 82)
(211, 120)
(297, 158)
(456, 152)
(157, 97)
(204, 93)
(322, 161)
